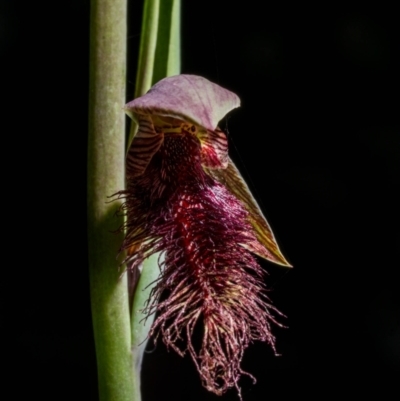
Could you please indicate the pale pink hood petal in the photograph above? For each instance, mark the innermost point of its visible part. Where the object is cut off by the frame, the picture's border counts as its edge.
(187, 97)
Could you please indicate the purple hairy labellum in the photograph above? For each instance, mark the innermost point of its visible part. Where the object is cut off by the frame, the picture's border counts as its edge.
(186, 199)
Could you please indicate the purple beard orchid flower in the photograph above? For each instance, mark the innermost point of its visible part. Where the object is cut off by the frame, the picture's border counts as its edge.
(186, 199)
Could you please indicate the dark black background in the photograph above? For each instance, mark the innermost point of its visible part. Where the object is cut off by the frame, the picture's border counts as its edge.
(318, 138)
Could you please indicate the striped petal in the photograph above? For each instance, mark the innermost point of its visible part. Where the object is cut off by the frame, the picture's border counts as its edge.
(214, 149)
(144, 145)
(233, 180)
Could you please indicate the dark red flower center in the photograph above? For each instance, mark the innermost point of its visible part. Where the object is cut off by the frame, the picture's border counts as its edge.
(208, 275)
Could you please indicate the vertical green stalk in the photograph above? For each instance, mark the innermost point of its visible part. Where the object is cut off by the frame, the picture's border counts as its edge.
(120, 340)
(167, 60)
(148, 43)
(162, 58)
(106, 154)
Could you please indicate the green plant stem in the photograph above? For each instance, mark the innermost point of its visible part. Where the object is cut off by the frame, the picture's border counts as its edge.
(140, 325)
(106, 154)
(148, 44)
(167, 60)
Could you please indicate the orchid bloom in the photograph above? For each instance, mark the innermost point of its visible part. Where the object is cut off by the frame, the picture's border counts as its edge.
(186, 199)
